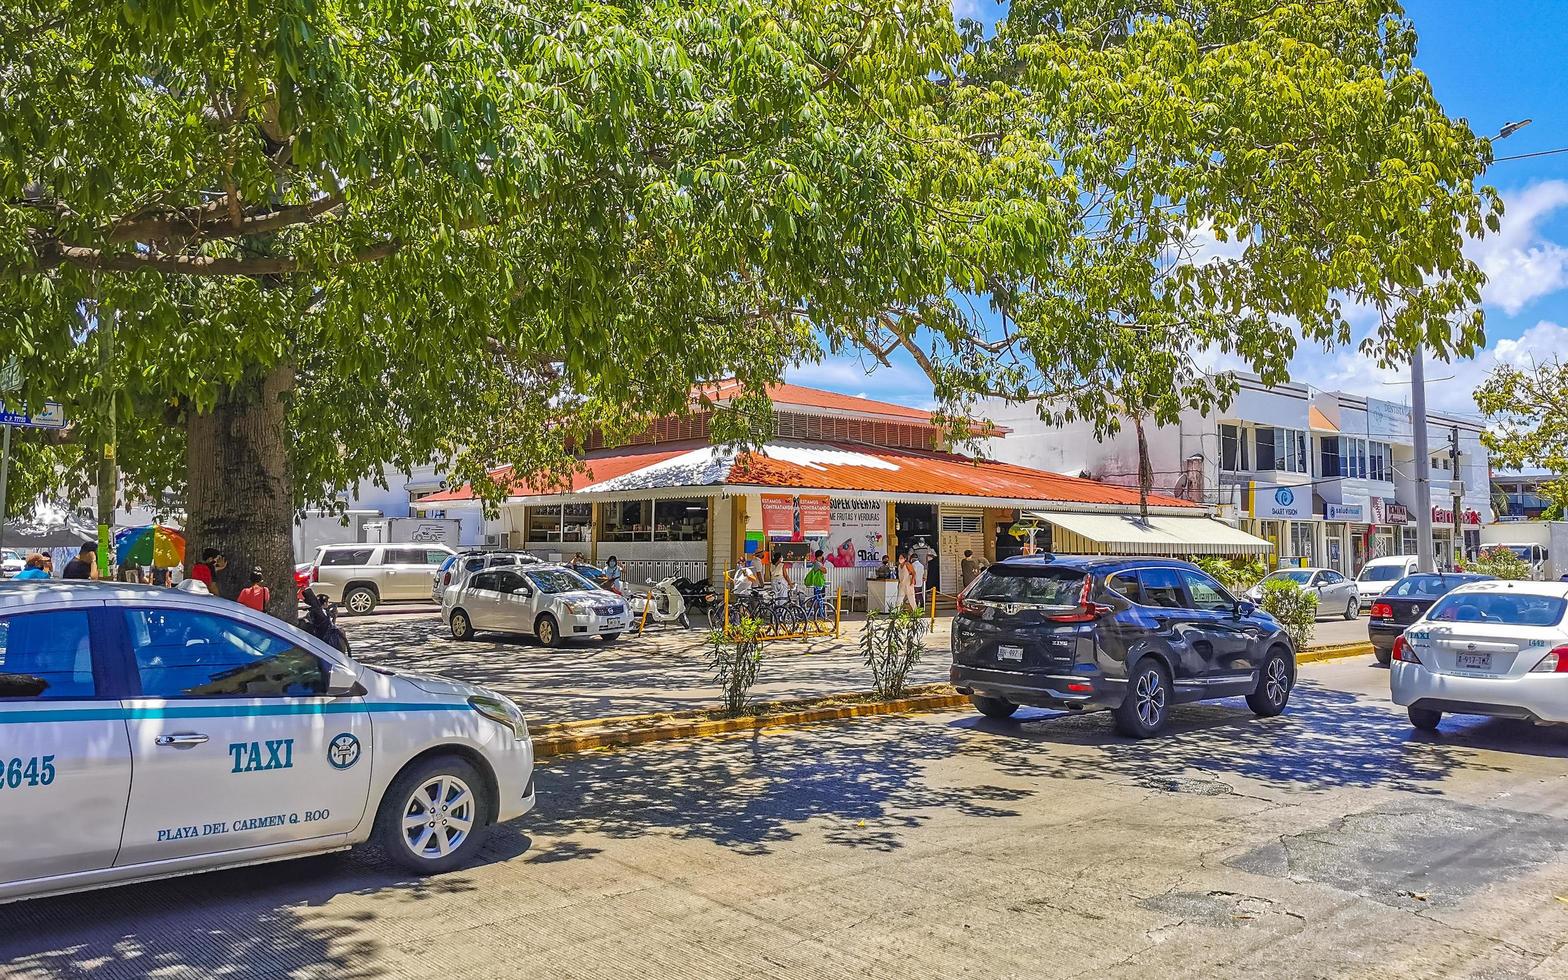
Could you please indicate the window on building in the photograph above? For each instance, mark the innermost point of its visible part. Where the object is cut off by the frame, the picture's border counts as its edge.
(577, 523)
(561, 522)
(544, 523)
(1380, 461)
(1330, 460)
(627, 520)
(1294, 456)
(680, 520)
(1268, 458)
(1233, 448)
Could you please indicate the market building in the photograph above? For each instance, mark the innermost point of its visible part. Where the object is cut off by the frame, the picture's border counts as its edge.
(1327, 478)
(858, 478)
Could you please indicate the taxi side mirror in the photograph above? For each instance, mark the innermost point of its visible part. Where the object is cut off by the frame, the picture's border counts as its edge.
(341, 682)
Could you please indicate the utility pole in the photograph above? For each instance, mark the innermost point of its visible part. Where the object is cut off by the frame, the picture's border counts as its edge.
(1423, 499)
(1458, 491)
(10, 381)
(108, 474)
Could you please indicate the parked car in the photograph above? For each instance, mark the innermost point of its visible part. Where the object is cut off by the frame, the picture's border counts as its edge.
(164, 732)
(459, 566)
(1489, 648)
(1378, 574)
(12, 561)
(552, 602)
(1132, 635)
(1403, 604)
(1337, 595)
(361, 576)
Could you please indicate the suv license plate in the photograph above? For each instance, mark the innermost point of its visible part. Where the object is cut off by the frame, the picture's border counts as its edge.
(1010, 653)
(1475, 661)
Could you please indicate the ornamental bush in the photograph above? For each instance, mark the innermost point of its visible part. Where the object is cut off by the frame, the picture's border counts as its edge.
(892, 644)
(734, 661)
(1497, 562)
(1236, 574)
(1295, 606)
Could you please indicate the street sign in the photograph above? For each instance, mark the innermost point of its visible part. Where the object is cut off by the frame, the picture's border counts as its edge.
(52, 417)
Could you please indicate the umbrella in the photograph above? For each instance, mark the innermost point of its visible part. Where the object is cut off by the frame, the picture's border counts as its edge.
(154, 544)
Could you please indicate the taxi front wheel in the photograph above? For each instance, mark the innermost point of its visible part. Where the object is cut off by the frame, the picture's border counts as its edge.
(433, 817)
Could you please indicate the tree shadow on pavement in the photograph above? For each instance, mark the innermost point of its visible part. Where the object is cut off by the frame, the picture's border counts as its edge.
(270, 920)
(1326, 739)
(863, 782)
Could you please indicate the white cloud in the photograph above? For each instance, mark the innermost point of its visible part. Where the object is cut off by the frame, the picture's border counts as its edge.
(1520, 263)
(849, 375)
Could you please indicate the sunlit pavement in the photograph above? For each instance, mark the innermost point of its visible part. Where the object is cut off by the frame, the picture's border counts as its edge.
(1332, 841)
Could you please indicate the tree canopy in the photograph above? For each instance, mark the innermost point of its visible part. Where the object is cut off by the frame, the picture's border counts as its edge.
(473, 231)
(1527, 409)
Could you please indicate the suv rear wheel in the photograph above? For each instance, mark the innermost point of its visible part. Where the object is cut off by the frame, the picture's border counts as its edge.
(1146, 708)
(993, 707)
(1274, 683)
(360, 600)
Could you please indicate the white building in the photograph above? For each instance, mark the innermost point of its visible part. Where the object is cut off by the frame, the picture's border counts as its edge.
(1328, 477)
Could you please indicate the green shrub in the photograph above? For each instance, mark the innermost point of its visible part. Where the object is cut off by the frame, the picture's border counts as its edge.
(1497, 562)
(1236, 574)
(1295, 606)
(734, 661)
(892, 644)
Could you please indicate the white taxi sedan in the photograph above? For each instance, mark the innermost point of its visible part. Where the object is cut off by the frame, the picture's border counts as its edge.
(1489, 648)
(148, 732)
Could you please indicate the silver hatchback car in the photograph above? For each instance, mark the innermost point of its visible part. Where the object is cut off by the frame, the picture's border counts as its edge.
(552, 602)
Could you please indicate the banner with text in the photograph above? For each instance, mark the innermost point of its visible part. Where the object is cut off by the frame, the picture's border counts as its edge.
(858, 535)
(786, 518)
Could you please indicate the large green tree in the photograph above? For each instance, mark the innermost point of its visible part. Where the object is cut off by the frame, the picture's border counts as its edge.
(1526, 407)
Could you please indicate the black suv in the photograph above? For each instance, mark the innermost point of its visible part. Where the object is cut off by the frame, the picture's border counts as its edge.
(1135, 635)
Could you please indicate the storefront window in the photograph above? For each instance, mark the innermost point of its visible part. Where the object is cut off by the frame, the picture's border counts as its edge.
(627, 520)
(680, 520)
(557, 522)
(1301, 542)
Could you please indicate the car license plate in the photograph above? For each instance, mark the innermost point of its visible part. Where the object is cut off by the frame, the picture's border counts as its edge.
(1009, 653)
(612, 624)
(1475, 661)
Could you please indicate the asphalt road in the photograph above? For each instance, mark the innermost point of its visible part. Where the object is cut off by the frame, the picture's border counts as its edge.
(1332, 841)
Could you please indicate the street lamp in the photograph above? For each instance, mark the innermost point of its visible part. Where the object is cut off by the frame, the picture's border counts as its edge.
(1424, 559)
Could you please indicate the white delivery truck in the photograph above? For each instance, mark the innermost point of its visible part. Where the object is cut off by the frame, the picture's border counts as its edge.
(1543, 545)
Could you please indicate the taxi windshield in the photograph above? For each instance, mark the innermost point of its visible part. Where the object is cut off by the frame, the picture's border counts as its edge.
(551, 581)
(1498, 607)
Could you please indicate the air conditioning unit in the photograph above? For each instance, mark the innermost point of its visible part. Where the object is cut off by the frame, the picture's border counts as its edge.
(495, 540)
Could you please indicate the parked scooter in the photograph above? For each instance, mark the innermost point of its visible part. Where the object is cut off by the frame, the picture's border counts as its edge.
(662, 603)
(699, 596)
(321, 621)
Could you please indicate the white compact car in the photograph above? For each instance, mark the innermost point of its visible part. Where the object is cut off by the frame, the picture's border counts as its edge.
(550, 601)
(148, 732)
(1490, 648)
(1379, 575)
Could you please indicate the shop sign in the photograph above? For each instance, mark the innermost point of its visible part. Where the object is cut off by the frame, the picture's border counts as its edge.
(1379, 510)
(1267, 500)
(786, 518)
(857, 534)
(1344, 512)
(1398, 514)
(1444, 517)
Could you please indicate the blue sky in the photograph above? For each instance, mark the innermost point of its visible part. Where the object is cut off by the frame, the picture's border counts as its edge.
(1490, 62)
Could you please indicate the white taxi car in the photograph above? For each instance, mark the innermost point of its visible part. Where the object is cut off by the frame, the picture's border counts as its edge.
(1489, 648)
(147, 732)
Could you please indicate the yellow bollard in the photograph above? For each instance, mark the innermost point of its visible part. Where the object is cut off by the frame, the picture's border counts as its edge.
(838, 610)
(642, 627)
(932, 603)
(726, 610)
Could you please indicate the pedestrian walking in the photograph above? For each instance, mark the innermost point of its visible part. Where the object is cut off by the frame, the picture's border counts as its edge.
(969, 568)
(212, 563)
(256, 595)
(817, 581)
(906, 582)
(84, 565)
(918, 566)
(778, 576)
(36, 569)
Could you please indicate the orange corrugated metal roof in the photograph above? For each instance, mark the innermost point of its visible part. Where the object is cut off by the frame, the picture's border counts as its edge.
(829, 467)
(799, 396)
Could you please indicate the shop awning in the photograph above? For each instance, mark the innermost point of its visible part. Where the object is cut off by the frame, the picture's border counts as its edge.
(1119, 534)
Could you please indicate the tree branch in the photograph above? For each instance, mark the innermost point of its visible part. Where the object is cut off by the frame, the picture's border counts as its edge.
(193, 265)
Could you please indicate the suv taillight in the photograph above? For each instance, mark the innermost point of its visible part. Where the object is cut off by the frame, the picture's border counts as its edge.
(1403, 651)
(1555, 662)
(315, 574)
(1087, 611)
(1381, 610)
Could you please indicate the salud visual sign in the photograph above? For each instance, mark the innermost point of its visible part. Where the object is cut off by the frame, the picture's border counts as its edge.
(1278, 502)
(786, 518)
(52, 417)
(1344, 512)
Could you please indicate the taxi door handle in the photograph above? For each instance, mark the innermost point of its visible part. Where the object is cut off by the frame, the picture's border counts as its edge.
(180, 739)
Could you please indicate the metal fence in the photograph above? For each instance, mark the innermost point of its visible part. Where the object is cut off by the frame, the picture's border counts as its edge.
(637, 571)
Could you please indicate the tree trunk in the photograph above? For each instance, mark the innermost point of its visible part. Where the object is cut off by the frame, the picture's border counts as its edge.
(1145, 470)
(239, 490)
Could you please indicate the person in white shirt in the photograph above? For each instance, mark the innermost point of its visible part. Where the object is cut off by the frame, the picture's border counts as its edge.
(919, 580)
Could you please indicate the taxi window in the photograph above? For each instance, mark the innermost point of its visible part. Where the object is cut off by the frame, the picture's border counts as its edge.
(185, 654)
(46, 655)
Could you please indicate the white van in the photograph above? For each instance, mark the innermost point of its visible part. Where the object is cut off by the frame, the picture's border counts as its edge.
(1378, 574)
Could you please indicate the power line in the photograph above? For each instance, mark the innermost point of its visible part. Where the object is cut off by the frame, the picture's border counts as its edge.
(1526, 156)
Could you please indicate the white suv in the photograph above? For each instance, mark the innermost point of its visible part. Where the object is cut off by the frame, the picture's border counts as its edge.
(361, 576)
(149, 732)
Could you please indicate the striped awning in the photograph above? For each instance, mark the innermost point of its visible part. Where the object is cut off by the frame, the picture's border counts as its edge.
(1161, 535)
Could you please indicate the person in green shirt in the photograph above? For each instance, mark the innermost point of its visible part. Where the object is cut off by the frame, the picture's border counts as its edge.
(817, 580)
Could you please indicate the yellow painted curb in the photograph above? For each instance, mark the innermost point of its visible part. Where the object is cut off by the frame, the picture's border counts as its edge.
(549, 744)
(1317, 654)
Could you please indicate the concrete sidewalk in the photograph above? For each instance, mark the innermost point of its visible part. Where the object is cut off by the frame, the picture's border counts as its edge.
(662, 671)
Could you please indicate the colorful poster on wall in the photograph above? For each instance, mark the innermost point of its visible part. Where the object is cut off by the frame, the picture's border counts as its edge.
(795, 519)
(858, 533)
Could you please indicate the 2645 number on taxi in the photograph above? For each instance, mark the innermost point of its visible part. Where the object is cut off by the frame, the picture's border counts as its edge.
(34, 771)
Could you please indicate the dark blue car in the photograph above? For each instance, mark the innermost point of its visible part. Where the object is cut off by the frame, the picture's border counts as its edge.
(1132, 635)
